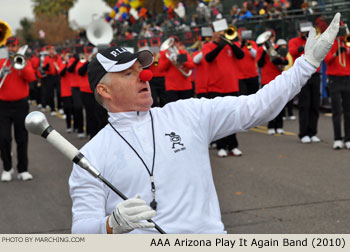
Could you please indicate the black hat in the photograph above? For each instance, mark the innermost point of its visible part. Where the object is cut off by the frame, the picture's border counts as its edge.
(115, 59)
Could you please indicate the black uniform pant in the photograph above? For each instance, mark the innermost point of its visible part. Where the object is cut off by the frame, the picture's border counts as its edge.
(89, 103)
(14, 113)
(157, 85)
(276, 123)
(173, 95)
(68, 110)
(339, 87)
(309, 105)
(53, 83)
(43, 92)
(249, 86)
(230, 142)
(77, 110)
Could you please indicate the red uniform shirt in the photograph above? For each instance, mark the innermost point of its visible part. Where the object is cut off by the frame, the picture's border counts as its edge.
(174, 79)
(83, 80)
(35, 60)
(66, 90)
(334, 64)
(247, 67)
(52, 62)
(202, 72)
(268, 71)
(155, 67)
(223, 76)
(293, 45)
(15, 86)
(74, 76)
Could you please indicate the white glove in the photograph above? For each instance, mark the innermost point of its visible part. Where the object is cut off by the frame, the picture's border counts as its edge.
(317, 48)
(173, 57)
(128, 215)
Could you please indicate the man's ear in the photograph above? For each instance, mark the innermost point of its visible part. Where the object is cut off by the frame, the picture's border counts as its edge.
(103, 90)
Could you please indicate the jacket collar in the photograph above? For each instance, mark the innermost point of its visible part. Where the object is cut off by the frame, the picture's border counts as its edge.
(127, 118)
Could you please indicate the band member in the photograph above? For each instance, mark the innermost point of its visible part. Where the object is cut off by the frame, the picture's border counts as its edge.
(161, 154)
(177, 65)
(309, 97)
(52, 83)
(14, 108)
(157, 83)
(338, 72)
(271, 65)
(282, 49)
(75, 85)
(35, 85)
(223, 57)
(66, 91)
(94, 120)
(202, 70)
(247, 69)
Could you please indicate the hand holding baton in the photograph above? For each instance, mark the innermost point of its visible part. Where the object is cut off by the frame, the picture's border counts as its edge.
(37, 124)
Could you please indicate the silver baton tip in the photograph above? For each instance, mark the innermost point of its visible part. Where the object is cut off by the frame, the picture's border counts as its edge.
(36, 122)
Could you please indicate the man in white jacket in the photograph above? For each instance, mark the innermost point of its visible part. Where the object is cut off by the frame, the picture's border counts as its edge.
(161, 154)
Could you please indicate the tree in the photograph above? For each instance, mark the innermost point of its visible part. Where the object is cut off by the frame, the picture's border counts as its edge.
(56, 28)
(25, 33)
(52, 8)
(110, 3)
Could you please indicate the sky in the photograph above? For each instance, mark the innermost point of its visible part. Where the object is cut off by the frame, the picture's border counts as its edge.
(12, 11)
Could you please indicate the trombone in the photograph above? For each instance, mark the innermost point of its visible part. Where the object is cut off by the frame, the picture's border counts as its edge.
(18, 61)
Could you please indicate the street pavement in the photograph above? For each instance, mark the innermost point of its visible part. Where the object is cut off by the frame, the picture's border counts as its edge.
(278, 186)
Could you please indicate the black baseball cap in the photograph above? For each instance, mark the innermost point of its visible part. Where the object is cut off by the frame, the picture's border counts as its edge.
(115, 59)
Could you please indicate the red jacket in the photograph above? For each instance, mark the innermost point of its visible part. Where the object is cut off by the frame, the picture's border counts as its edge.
(247, 67)
(223, 76)
(268, 71)
(155, 67)
(334, 66)
(52, 62)
(15, 86)
(35, 60)
(74, 76)
(66, 90)
(84, 81)
(293, 45)
(202, 72)
(174, 79)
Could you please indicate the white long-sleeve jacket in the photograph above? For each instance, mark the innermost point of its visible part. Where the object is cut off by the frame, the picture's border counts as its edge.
(185, 192)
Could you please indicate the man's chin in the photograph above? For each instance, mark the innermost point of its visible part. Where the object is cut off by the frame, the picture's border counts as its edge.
(145, 106)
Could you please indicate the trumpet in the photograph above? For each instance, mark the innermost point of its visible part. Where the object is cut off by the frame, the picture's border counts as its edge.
(168, 45)
(347, 40)
(18, 61)
(230, 34)
(248, 45)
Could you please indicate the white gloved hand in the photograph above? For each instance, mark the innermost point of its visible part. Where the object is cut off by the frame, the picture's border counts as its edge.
(173, 57)
(316, 49)
(128, 215)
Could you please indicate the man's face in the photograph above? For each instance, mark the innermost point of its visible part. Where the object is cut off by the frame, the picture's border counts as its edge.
(127, 92)
(12, 48)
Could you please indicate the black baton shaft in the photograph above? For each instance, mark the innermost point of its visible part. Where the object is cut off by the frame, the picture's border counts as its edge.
(125, 198)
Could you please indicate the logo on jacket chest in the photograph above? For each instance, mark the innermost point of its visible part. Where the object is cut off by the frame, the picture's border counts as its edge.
(175, 141)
